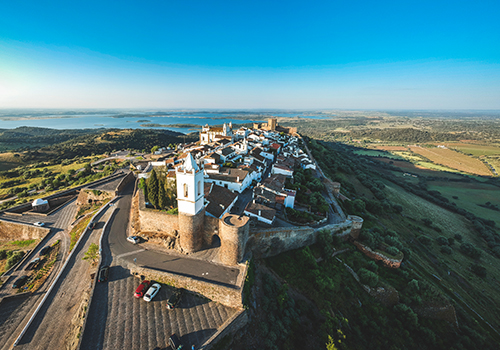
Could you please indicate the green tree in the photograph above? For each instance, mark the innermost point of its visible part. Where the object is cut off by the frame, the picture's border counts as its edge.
(152, 186)
(162, 197)
(368, 277)
(154, 149)
(92, 254)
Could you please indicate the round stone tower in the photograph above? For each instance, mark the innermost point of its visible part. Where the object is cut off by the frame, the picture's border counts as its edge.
(233, 231)
(357, 223)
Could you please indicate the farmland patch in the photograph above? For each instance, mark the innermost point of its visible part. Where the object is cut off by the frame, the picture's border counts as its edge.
(449, 158)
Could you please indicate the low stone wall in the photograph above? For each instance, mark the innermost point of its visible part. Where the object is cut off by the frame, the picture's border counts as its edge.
(16, 231)
(231, 326)
(125, 181)
(228, 296)
(392, 263)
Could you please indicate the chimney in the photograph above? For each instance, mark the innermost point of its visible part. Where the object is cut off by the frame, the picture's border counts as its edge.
(260, 212)
(238, 179)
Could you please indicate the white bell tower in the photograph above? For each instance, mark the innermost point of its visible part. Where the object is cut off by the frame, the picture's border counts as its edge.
(190, 187)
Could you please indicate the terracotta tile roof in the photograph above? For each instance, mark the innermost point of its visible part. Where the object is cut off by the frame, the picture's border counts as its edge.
(275, 182)
(265, 211)
(219, 199)
(229, 174)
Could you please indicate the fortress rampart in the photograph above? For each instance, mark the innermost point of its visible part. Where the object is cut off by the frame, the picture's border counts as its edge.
(17, 231)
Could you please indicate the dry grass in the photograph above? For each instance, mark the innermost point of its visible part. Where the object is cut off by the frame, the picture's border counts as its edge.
(454, 160)
(472, 148)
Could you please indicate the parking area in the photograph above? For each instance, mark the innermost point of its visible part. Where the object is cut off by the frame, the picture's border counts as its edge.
(117, 320)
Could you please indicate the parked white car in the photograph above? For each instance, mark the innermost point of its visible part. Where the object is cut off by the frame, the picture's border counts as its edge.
(39, 224)
(133, 239)
(152, 291)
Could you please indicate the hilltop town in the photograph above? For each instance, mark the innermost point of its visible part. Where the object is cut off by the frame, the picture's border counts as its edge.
(231, 180)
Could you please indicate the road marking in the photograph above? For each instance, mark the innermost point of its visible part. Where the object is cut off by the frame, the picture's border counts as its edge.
(130, 253)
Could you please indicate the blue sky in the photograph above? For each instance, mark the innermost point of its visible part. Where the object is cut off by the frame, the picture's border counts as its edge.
(250, 54)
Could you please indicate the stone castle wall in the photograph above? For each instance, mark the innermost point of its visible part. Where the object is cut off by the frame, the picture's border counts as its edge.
(155, 221)
(210, 229)
(269, 242)
(10, 231)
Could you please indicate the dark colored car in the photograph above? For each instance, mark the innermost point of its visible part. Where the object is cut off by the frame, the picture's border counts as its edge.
(175, 298)
(143, 287)
(45, 250)
(175, 342)
(33, 264)
(92, 225)
(103, 274)
(20, 281)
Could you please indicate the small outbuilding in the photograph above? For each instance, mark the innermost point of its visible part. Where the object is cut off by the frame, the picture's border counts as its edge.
(40, 205)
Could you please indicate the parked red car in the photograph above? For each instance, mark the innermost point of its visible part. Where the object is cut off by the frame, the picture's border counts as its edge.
(143, 287)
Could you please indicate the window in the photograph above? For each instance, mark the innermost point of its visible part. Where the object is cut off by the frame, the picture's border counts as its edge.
(199, 188)
(185, 190)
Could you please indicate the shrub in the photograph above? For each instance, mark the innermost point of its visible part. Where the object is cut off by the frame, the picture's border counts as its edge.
(470, 250)
(3, 254)
(424, 240)
(14, 259)
(392, 251)
(442, 240)
(368, 277)
(446, 249)
(478, 270)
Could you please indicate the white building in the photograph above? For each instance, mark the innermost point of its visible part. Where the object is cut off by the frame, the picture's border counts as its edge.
(190, 186)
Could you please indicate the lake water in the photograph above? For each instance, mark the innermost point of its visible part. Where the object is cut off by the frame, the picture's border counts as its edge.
(112, 120)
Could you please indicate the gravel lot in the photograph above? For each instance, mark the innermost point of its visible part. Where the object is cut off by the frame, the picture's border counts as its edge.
(117, 320)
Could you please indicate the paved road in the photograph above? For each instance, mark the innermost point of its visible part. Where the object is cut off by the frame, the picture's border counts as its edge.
(175, 263)
(14, 313)
(50, 327)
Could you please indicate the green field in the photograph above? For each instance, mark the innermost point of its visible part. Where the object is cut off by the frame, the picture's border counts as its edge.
(469, 196)
(373, 153)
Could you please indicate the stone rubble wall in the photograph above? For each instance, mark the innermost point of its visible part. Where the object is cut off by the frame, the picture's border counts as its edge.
(10, 231)
(392, 263)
